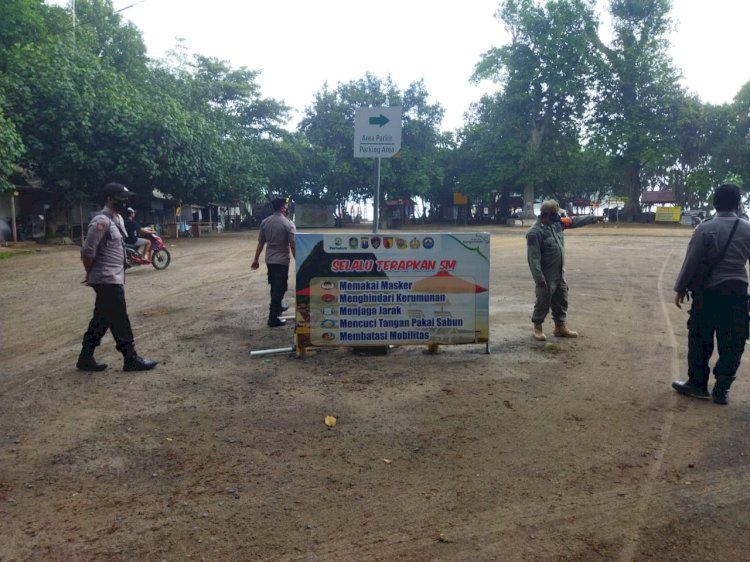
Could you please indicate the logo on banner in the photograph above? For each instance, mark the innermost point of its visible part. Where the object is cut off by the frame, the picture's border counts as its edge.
(375, 241)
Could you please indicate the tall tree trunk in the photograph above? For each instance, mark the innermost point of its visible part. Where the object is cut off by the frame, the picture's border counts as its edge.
(532, 149)
(504, 210)
(632, 178)
(528, 201)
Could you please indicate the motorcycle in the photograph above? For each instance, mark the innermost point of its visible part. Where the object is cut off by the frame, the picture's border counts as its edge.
(160, 256)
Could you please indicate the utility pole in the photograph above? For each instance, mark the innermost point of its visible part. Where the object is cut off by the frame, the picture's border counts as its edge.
(13, 196)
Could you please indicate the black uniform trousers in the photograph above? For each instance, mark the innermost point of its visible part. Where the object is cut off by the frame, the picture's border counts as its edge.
(278, 278)
(110, 313)
(722, 312)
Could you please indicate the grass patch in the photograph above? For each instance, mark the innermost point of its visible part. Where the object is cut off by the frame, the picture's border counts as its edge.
(8, 255)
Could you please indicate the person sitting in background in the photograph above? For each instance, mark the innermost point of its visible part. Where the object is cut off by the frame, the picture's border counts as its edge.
(133, 229)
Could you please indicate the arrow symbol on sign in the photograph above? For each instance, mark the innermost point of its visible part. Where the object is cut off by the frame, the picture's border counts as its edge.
(382, 120)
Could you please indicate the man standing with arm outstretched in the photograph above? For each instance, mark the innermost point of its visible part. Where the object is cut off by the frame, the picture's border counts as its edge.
(545, 247)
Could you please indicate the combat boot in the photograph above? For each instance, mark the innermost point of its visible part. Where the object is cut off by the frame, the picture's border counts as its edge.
(561, 330)
(86, 361)
(691, 388)
(134, 362)
(720, 391)
(539, 333)
(274, 311)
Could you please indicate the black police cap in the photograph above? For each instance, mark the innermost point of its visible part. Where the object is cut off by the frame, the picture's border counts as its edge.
(117, 191)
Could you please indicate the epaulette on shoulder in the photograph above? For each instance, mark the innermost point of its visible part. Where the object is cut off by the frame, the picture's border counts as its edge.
(98, 217)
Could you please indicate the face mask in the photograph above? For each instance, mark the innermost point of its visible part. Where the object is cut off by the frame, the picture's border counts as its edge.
(120, 206)
(555, 217)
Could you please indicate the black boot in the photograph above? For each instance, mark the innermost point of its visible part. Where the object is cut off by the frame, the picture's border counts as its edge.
(690, 388)
(720, 391)
(134, 362)
(274, 311)
(86, 361)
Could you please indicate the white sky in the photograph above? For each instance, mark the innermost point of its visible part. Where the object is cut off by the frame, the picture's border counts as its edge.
(300, 44)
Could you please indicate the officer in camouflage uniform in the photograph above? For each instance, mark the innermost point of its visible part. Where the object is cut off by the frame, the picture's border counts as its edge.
(546, 254)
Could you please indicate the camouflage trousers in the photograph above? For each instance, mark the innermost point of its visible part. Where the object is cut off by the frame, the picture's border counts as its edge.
(552, 297)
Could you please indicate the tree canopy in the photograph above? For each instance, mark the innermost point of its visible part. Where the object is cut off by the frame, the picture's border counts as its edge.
(574, 117)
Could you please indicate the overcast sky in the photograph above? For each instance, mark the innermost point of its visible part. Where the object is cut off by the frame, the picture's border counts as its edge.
(300, 44)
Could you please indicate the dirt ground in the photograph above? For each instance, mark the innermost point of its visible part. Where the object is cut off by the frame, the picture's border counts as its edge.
(583, 452)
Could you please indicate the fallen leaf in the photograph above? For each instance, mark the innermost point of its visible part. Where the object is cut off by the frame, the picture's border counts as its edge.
(387, 461)
(330, 421)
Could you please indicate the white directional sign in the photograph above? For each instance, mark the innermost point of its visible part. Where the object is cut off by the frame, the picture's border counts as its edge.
(377, 132)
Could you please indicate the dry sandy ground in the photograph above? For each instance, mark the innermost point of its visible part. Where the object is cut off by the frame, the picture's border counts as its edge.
(579, 453)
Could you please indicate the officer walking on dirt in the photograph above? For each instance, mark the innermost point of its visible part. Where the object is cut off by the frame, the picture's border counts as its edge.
(103, 256)
(276, 231)
(720, 308)
(546, 255)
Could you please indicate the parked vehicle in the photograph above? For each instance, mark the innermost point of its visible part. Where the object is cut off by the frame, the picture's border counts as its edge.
(160, 256)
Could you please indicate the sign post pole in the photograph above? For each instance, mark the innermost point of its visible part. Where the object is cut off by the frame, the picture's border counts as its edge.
(376, 218)
(377, 134)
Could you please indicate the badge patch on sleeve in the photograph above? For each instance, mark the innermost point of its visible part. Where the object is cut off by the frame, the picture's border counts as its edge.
(532, 240)
(101, 226)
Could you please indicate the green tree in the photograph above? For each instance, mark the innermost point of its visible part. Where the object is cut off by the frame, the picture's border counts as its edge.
(329, 127)
(638, 96)
(732, 151)
(692, 175)
(115, 42)
(491, 145)
(55, 105)
(293, 168)
(237, 128)
(21, 22)
(338, 176)
(11, 149)
(546, 73)
(418, 168)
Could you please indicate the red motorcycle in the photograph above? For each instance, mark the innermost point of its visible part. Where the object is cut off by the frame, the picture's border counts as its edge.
(160, 256)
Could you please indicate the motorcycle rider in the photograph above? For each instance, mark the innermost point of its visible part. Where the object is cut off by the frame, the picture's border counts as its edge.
(133, 228)
(103, 257)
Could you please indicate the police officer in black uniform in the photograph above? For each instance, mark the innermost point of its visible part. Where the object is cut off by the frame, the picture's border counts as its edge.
(721, 309)
(103, 256)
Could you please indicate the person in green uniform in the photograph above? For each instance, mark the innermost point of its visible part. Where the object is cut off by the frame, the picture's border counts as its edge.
(545, 245)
